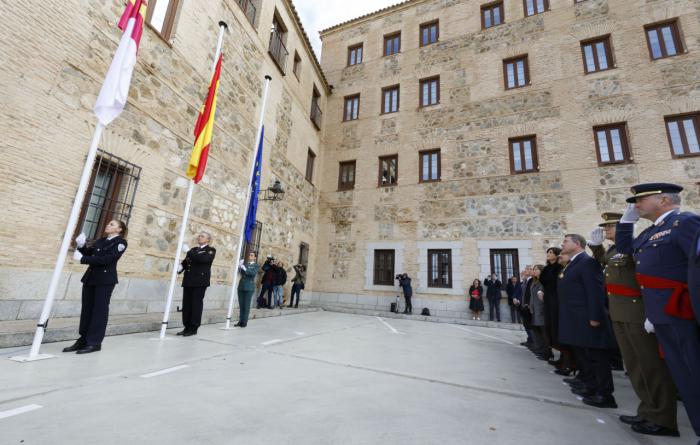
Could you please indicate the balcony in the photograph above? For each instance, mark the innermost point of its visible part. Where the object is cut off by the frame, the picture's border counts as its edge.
(316, 114)
(278, 51)
(249, 10)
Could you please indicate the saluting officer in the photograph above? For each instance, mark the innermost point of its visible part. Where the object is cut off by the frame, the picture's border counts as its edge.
(197, 268)
(651, 380)
(98, 283)
(661, 258)
(246, 287)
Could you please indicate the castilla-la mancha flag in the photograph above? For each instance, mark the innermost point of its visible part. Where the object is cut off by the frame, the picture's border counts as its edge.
(115, 90)
(203, 129)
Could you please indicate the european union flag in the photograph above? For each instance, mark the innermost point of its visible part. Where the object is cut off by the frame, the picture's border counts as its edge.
(255, 189)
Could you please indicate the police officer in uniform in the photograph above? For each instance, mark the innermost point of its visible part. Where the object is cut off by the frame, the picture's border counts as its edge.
(98, 283)
(246, 287)
(661, 258)
(651, 380)
(197, 269)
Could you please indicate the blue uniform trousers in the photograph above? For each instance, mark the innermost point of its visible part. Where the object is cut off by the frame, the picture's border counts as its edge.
(94, 314)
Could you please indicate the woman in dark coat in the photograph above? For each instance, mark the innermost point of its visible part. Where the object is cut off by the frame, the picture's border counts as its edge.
(549, 278)
(476, 299)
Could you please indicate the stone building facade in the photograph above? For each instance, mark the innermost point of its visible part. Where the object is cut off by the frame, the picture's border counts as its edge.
(507, 74)
(54, 58)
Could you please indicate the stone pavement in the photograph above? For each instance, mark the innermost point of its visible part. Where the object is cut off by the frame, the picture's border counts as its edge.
(312, 378)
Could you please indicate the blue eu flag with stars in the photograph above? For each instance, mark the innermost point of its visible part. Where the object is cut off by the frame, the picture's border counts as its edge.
(255, 189)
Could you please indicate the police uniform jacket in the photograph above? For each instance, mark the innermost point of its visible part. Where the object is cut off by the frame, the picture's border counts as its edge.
(247, 281)
(624, 296)
(581, 293)
(661, 251)
(197, 266)
(694, 276)
(102, 259)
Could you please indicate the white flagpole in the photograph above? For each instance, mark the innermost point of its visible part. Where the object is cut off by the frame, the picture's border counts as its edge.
(185, 215)
(247, 204)
(62, 252)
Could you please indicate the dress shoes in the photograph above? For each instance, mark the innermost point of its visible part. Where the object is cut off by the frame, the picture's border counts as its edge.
(87, 349)
(564, 371)
(632, 420)
(600, 401)
(583, 392)
(237, 325)
(555, 363)
(74, 347)
(572, 381)
(653, 429)
(182, 332)
(189, 333)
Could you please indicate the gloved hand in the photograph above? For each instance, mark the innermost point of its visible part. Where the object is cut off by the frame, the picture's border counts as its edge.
(631, 214)
(185, 248)
(80, 240)
(180, 268)
(597, 237)
(77, 256)
(241, 265)
(648, 326)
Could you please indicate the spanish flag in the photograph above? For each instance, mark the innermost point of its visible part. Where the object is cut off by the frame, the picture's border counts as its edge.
(203, 130)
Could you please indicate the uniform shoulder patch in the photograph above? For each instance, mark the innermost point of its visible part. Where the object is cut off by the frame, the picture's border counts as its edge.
(676, 223)
(121, 247)
(211, 251)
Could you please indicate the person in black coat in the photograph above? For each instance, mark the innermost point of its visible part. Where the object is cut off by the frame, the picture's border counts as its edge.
(549, 278)
(476, 300)
(197, 269)
(405, 283)
(98, 283)
(511, 288)
(279, 280)
(584, 323)
(267, 283)
(493, 293)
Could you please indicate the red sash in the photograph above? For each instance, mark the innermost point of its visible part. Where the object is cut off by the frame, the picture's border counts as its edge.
(625, 291)
(679, 304)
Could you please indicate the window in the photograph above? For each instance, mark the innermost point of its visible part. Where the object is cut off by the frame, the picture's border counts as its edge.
(683, 134)
(161, 16)
(439, 268)
(352, 108)
(310, 159)
(516, 72)
(384, 267)
(533, 7)
(491, 15)
(278, 38)
(523, 155)
(504, 263)
(346, 175)
(597, 55)
(297, 65)
(254, 244)
(392, 44)
(663, 39)
(429, 33)
(430, 91)
(249, 10)
(390, 99)
(355, 55)
(429, 165)
(304, 255)
(110, 194)
(316, 113)
(611, 144)
(388, 170)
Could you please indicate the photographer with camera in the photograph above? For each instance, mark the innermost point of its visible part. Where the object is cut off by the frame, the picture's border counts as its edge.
(267, 282)
(405, 283)
(299, 281)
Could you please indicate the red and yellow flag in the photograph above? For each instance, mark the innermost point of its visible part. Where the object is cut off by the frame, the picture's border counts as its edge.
(203, 130)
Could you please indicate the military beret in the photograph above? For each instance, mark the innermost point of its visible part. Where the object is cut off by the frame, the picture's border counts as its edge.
(610, 218)
(652, 188)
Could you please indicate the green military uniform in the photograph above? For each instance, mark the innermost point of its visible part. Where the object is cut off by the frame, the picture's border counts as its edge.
(648, 373)
(246, 289)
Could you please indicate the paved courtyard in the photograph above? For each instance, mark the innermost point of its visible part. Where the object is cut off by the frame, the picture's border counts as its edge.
(311, 378)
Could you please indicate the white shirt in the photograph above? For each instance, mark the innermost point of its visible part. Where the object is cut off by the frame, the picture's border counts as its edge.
(572, 258)
(662, 217)
(111, 236)
(203, 246)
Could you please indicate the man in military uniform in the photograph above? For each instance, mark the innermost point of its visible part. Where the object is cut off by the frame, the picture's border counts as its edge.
(651, 380)
(246, 288)
(197, 268)
(661, 258)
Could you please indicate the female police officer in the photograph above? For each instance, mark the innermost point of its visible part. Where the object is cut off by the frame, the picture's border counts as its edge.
(98, 283)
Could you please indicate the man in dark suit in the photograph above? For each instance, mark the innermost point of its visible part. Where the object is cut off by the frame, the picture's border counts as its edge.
(521, 299)
(197, 268)
(584, 322)
(493, 294)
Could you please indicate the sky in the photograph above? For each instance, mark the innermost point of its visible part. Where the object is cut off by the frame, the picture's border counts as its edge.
(321, 14)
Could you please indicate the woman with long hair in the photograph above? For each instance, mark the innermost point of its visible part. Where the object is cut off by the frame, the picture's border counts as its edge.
(548, 278)
(541, 346)
(476, 300)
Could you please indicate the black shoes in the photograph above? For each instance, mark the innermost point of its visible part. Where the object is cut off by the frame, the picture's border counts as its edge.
(600, 401)
(74, 347)
(240, 325)
(572, 381)
(189, 333)
(582, 391)
(653, 429)
(182, 332)
(87, 349)
(564, 371)
(632, 420)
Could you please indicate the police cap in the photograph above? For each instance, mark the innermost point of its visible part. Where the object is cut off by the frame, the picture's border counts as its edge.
(610, 218)
(652, 188)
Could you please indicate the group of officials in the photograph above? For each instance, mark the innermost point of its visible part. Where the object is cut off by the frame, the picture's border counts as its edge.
(640, 296)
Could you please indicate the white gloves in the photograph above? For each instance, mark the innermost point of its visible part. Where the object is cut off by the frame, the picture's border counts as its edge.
(597, 237)
(631, 214)
(80, 240)
(648, 326)
(185, 248)
(180, 268)
(241, 265)
(77, 256)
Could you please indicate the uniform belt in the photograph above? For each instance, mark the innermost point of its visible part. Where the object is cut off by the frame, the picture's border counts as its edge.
(679, 304)
(624, 291)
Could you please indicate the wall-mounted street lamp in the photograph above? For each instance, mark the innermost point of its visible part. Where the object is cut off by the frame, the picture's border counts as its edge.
(274, 193)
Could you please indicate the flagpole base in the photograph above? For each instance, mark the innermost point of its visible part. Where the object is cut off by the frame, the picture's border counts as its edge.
(227, 328)
(161, 338)
(27, 358)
